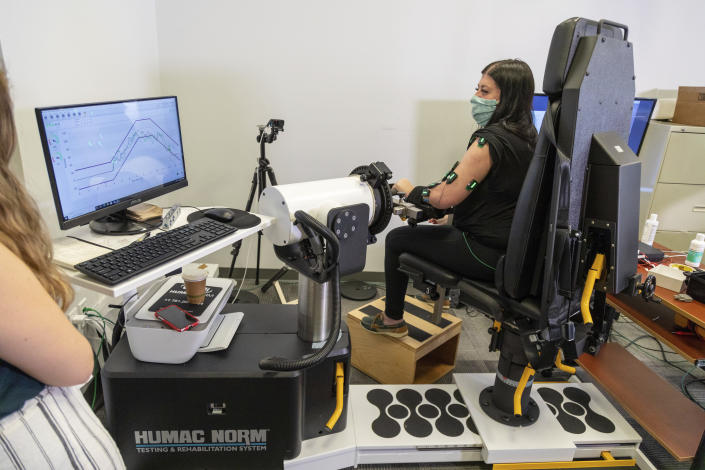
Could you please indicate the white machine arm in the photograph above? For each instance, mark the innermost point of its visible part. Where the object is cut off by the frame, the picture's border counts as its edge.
(316, 198)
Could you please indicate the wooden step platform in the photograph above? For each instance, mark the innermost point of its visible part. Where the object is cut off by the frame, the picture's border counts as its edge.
(422, 357)
(672, 419)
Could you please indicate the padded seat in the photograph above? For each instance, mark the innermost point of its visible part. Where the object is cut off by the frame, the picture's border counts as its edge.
(483, 296)
(479, 294)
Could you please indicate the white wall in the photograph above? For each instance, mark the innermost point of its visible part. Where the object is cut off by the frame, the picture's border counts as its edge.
(355, 81)
(369, 80)
(73, 51)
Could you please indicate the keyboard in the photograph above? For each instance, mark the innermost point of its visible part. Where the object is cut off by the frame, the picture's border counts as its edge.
(124, 263)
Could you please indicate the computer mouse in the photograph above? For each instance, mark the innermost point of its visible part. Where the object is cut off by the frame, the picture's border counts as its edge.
(221, 214)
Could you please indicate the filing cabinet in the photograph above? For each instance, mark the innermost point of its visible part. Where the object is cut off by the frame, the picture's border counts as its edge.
(673, 181)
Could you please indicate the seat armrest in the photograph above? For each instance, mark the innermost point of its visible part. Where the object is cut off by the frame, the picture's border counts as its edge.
(430, 271)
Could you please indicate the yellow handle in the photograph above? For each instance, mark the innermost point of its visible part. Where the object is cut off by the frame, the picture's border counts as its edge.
(339, 389)
(563, 367)
(528, 372)
(592, 276)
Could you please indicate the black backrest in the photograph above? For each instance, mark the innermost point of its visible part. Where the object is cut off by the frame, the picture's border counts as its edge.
(589, 80)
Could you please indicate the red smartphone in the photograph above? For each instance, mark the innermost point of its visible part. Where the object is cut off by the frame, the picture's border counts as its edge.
(176, 318)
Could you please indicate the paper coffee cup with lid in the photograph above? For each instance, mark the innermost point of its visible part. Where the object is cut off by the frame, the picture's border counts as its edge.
(194, 277)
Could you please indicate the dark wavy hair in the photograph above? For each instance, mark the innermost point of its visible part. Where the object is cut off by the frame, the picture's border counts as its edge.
(516, 85)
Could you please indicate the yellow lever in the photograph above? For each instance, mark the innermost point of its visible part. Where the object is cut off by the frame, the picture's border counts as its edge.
(593, 275)
(563, 367)
(528, 372)
(339, 389)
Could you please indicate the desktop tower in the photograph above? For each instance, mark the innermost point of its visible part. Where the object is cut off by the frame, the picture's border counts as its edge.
(219, 410)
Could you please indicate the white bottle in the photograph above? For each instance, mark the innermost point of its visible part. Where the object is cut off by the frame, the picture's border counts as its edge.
(695, 252)
(650, 226)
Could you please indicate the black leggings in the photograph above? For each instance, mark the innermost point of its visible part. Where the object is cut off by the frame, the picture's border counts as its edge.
(441, 244)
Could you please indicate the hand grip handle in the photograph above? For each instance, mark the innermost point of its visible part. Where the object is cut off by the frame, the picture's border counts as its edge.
(612, 23)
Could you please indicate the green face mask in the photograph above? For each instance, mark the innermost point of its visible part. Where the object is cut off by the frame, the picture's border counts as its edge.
(482, 109)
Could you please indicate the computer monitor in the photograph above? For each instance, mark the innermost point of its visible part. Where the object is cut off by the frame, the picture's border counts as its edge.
(105, 157)
(641, 114)
(538, 109)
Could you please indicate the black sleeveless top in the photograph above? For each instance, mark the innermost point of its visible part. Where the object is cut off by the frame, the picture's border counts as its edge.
(486, 214)
(16, 387)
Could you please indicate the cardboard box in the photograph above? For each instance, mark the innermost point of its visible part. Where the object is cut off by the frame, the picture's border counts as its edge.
(690, 106)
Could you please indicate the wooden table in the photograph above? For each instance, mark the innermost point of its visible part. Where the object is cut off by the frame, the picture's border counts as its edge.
(660, 408)
(657, 319)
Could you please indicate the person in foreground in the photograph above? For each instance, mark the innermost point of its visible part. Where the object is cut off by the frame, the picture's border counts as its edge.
(482, 189)
(44, 420)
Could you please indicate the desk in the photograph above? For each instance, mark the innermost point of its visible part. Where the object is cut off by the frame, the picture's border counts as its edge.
(80, 279)
(657, 319)
(660, 408)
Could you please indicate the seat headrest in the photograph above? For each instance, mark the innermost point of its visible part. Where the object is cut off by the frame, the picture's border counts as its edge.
(563, 44)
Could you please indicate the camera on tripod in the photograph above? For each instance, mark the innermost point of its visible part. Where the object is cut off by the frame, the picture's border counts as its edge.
(275, 125)
(259, 182)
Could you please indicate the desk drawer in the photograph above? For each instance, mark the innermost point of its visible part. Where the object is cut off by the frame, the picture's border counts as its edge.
(684, 159)
(680, 207)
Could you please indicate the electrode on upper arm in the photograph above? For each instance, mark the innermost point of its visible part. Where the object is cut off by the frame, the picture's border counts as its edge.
(451, 175)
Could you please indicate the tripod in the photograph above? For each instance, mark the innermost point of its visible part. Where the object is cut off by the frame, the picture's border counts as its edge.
(259, 182)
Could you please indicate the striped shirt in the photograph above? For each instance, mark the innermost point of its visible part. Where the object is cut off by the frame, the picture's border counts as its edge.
(56, 430)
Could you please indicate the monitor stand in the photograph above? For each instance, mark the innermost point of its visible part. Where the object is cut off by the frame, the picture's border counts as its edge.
(117, 223)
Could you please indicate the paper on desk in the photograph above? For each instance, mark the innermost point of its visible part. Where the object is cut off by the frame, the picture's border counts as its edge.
(69, 251)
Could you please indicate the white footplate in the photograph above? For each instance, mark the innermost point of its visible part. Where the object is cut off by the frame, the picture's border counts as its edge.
(413, 423)
(396, 424)
(443, 423)
(575, 421)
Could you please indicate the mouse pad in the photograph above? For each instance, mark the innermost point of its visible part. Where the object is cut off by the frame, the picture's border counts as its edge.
(241, 219)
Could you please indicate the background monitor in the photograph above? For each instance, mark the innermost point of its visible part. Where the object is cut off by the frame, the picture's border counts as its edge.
(105, 157)
(538, 109)
(641, 114)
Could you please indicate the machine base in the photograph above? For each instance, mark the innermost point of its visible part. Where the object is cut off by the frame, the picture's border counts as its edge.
(527, 419)
(357, 290)
(219, 410)
(575, 421)
(433, 423)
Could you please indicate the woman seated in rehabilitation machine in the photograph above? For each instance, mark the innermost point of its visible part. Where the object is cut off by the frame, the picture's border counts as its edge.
(482, 189)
